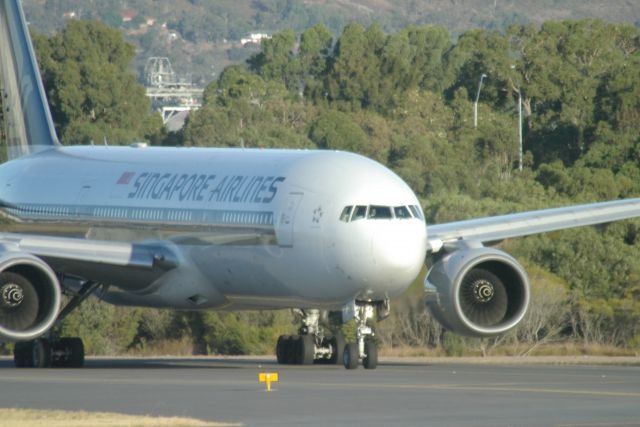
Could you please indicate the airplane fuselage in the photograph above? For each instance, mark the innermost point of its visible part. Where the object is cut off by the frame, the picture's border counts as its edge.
(252, 228)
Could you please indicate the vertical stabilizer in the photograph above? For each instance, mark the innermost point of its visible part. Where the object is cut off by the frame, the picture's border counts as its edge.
(28, 124)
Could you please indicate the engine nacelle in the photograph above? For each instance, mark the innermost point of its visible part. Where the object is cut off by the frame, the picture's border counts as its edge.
(478, 292)
(30, 297)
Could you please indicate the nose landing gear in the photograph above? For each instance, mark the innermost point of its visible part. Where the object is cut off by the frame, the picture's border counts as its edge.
(312, 346)
(365, 348)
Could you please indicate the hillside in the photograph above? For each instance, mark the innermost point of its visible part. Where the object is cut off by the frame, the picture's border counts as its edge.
(201, 37)
(230, 19)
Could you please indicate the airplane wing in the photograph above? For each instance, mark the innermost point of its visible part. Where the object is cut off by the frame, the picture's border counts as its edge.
(496, 228)
(96, 260)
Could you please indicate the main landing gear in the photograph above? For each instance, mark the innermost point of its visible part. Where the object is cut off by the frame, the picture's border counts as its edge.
(52, 350)
(312, 346)
(46, 353)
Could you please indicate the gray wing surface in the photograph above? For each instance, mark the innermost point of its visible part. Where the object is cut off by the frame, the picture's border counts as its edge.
(135, 264)
(502, 227)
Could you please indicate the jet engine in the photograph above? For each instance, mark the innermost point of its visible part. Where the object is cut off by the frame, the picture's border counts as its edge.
(29, 297)
(478, 292)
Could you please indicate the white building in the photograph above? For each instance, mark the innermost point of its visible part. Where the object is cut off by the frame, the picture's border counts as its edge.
(254, 38)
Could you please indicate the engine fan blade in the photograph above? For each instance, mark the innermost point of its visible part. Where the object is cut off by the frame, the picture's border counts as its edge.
(483, 298)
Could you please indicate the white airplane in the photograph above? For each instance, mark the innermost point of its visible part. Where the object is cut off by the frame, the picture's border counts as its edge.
(233, 229)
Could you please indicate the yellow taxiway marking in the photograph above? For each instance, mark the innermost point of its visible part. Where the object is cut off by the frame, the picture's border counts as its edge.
(268, 378)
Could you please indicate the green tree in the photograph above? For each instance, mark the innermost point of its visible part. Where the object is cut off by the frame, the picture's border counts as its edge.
(355, 73)
(618, 101)
(480, 52)
(241, 108)
(313, 60)
(105, 329)
(337, 131)
(273, 62)
(315, 47)
(561, 68)
(429, 46)
(91, 91)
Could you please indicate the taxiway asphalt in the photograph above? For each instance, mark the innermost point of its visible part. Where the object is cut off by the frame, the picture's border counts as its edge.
(395, 394)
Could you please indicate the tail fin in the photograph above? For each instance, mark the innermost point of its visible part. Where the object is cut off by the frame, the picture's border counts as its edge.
(28, 124)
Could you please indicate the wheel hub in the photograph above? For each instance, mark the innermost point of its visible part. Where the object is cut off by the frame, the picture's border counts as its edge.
(483, 291)
(12, 295)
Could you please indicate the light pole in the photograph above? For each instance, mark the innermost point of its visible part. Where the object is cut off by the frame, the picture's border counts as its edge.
(520, 127)
(475, 104)
(517, 89)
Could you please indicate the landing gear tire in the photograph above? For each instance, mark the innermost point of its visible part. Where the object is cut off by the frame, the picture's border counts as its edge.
(68, 353)
(370, 360)
(351, 356)
(294, 350)
(22, 352)
(281, 350)
(288, 350)
(77, 353)
(41, 353)
(337, 342)
(32, 354)
(45, 353)
(307, 350)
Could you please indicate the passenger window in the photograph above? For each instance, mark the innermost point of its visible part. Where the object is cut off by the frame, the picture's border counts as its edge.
(416, 212)
(402, 212)
(346, 214)
(360, 213)
(380, 212)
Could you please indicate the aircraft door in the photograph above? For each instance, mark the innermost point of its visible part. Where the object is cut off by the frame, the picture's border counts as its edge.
(88, 184)
(286, 220)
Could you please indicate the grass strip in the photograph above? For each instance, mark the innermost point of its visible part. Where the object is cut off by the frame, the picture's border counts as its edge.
(12, 417)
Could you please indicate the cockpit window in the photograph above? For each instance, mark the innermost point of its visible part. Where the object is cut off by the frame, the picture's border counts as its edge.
(346, 214)
(380, 212)
(415, 210)
(360, 213)
(402, 212)
(354, 213)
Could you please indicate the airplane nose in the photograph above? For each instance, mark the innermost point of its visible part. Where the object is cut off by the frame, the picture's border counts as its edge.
(399, 249)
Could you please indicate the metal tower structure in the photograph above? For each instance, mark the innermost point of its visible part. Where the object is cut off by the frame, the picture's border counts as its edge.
(159, 73)
(170, 95)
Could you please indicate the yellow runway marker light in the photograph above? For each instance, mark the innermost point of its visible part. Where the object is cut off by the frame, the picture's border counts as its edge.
(268, 378)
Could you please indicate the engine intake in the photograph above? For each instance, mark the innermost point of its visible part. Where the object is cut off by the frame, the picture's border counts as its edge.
(29, 297)
(478, 292)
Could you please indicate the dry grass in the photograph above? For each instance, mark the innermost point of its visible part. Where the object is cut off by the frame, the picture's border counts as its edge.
(171, 347)
(559, 349)
(406, 351)
(42, 418)
(527, 360)
(574, 349)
